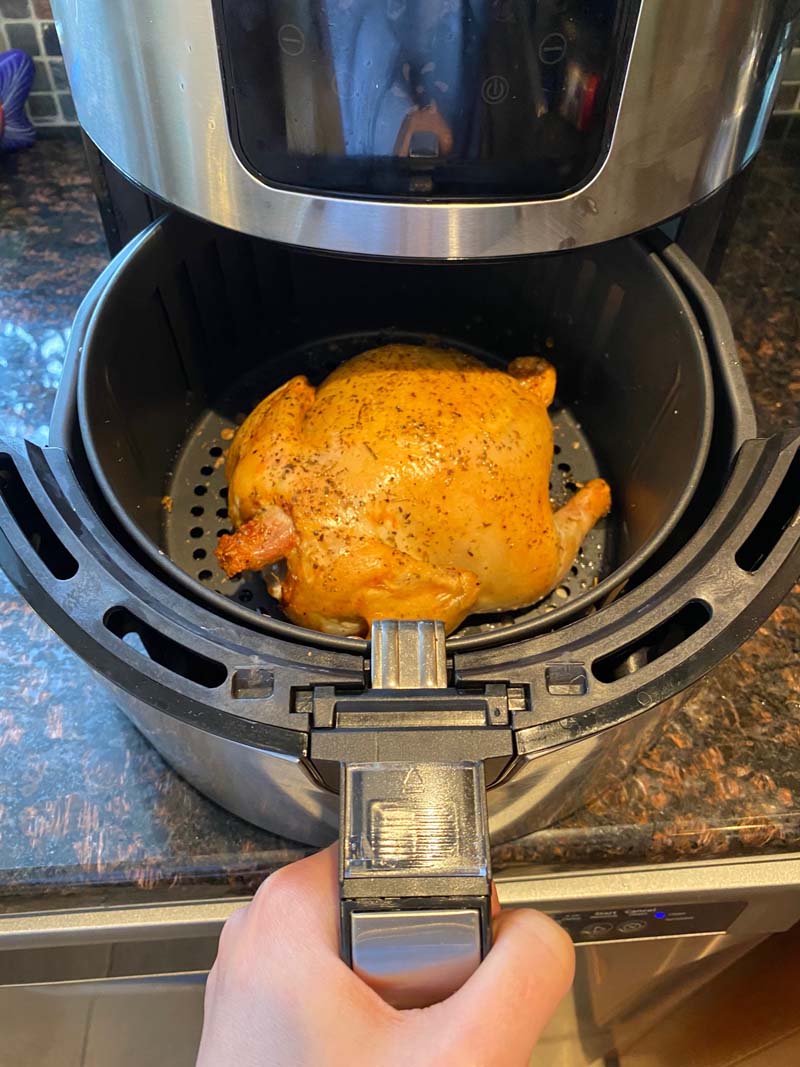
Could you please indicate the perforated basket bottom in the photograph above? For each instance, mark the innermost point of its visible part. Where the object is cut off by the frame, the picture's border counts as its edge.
(195, 511)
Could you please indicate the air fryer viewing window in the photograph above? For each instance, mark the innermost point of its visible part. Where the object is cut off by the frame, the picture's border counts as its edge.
(405, 98)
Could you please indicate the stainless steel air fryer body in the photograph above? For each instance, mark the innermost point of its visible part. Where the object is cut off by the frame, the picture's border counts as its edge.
(419, 129)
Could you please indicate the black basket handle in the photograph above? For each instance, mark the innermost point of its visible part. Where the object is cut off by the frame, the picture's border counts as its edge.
(414, 847)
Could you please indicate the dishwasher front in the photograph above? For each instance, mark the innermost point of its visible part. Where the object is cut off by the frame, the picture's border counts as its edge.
(124, 984)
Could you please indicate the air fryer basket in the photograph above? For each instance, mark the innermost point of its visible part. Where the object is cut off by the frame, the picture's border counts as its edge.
(262, 721)
(202, 323)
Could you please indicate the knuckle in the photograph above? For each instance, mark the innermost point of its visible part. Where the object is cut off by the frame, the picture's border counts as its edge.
(233, 966)
(277, 898)
(212, 981)
(231, 933)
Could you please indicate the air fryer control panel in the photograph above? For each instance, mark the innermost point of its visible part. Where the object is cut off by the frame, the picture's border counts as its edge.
(424, 98)
(635, 922)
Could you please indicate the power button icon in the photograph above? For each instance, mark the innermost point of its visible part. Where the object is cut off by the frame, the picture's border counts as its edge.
(495, 89)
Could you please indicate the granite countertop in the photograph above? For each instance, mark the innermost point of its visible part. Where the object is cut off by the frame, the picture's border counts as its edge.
(88, 810)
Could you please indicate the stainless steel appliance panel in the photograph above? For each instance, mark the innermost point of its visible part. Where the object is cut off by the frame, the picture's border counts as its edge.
(148, 89)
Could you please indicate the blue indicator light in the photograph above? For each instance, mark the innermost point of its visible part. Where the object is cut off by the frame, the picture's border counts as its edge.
(659, 915)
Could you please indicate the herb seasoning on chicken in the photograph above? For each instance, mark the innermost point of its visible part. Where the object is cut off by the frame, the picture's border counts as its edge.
(413, 483)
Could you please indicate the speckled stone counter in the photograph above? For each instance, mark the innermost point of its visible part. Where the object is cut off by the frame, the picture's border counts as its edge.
(88, 810)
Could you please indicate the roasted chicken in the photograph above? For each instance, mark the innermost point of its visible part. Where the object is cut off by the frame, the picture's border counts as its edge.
(411, 484)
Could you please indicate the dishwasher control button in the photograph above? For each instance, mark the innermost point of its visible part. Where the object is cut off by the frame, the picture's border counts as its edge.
(632, 926)
(597, 929)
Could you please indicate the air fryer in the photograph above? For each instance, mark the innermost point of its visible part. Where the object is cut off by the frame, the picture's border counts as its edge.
(109, 532)
(412, 747)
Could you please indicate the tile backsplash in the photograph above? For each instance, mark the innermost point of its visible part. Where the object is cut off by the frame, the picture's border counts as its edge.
(788, 101)
(28, 24)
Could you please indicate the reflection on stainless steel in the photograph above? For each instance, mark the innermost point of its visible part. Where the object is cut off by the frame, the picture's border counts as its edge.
(623, 987)
(147, 86)
(280, 794)
(415, 958)
(544, 787)
(272, 791)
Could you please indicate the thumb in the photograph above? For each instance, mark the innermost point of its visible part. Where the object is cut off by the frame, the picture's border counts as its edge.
(517, 987)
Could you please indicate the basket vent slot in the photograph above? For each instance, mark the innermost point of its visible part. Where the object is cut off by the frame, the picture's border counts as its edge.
(650, 646)
(770, 527)
(146, 640)
(38, 532)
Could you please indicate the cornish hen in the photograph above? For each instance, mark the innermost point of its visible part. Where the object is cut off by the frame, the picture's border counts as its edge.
(411, 484)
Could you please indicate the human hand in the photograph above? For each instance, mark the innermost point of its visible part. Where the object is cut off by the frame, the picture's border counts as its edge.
(279, 995)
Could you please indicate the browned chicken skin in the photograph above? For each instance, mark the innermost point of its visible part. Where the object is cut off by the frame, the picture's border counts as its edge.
(413, 483)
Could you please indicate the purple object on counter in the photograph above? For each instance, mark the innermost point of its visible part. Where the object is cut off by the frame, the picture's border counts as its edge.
(16, 78)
